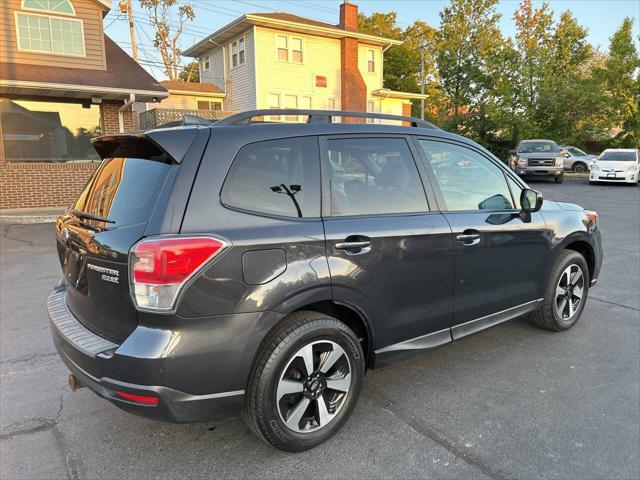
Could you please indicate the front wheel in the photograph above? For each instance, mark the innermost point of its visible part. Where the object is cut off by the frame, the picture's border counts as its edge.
(566, 293)
(559, 179)
(305, 382)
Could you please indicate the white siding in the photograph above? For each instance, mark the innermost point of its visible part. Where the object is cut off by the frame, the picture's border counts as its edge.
(215, 74)
(321, 57)
(238, 82)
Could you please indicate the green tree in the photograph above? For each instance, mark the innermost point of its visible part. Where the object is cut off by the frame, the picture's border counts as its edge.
(620, 85)
(190, 72)
(468, 33)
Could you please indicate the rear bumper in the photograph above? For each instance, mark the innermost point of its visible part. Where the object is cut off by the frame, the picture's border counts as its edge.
(197, 373)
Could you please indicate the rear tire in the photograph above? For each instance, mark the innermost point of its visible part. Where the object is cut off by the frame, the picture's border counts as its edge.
(282, 404)
(562, 306)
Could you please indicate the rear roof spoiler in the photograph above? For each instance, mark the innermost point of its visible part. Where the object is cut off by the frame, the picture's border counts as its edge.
(174, 142)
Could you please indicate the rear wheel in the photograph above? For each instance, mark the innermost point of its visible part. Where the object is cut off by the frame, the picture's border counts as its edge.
(305, 382)
(566, 293)
(579, 168)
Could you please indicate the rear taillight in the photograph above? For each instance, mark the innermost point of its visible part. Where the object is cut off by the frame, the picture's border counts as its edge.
(160, 268)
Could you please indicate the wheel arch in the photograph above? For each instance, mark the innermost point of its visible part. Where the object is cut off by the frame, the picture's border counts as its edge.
(586, 250)
(351, 316)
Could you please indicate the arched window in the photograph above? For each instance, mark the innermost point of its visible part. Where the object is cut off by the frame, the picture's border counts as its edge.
(63, 7)
(41, 32)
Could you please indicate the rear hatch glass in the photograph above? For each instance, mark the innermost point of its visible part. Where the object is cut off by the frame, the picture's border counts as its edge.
(96, 234)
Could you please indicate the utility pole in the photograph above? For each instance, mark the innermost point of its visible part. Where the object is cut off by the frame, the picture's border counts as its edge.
(126, 5)
(422, 48)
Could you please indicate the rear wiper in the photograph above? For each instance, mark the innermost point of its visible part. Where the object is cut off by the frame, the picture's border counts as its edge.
(91, 216)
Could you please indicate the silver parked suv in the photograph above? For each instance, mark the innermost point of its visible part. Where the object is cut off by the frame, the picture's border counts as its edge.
(538, 158)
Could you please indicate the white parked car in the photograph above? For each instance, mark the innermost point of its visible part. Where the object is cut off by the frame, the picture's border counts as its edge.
(616, 165)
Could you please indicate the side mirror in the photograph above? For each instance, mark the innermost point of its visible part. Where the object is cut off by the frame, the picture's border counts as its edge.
(531, 200)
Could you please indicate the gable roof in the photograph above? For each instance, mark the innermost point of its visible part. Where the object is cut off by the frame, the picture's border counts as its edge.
(282, 21)
(122, 76)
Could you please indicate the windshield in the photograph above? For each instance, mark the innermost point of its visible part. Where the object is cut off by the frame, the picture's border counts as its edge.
(618, 157)
(576, 151)
(539, 147)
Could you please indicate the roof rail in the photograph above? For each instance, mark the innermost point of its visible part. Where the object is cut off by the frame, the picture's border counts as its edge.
(318, 116)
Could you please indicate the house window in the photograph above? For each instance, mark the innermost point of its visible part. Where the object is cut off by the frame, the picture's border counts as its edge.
(42, 33)
(291, 101)
(237, 52)
(283, 49)
(371, 61)
(273, 100)
(37, 131)
(206, 63)
(209, 105)
(296, 50)
(63, 7)
(289, 49)
(305, 102)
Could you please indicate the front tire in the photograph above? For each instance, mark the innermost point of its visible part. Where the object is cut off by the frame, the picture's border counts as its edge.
(565, 295)
(305, 381)
(579, 167)
(559, 179)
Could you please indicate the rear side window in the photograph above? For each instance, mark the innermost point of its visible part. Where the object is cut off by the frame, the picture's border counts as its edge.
(372, 176)
(276, 177)
(124, 190)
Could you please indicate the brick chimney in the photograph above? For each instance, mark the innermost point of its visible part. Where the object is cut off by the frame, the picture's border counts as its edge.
(349, 16)
(353, 87)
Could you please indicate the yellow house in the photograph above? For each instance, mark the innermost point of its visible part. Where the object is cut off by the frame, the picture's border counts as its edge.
(279, 60)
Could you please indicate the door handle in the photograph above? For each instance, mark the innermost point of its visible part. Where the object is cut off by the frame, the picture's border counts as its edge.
(469, 238)
(354, 245)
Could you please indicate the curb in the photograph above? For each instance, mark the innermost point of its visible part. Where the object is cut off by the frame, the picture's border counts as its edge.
(26, 219)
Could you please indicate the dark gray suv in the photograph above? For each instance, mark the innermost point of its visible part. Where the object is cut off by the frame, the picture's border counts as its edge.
(270, 264)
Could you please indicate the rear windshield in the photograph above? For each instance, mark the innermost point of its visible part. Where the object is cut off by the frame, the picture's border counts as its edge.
(124, 190)
(618, 156)
(538, 147)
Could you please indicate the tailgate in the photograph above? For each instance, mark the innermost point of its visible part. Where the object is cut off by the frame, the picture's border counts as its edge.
(95, 235)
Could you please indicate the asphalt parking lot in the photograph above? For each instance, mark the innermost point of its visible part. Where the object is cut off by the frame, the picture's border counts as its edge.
(510, 402)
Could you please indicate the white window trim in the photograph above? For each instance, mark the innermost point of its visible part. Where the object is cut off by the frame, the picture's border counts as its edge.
(208, 57)
(289, 49)
(281, 94)
(45, 52)
(210, 101)
(375, 67)
(29, 9)
(244, 49)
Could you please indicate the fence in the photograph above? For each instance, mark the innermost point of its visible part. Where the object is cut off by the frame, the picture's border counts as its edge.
(157, 116)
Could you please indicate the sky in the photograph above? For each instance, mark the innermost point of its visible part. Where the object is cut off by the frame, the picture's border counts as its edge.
(601, 18)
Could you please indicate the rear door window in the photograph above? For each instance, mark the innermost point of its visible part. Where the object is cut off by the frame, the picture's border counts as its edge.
(371, 176)
(276, 177)
(124, 190)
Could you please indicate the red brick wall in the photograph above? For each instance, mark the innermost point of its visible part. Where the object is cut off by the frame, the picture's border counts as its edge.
(354, 90)
(37, 185)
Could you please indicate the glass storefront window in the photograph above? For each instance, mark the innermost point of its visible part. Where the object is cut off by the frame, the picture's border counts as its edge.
(34, 131)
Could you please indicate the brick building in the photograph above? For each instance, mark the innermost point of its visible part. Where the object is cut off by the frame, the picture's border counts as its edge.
(62, 82)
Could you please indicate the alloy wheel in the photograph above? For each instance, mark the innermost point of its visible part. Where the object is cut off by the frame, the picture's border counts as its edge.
(579, 168)
(569, 292)
(314, 386)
